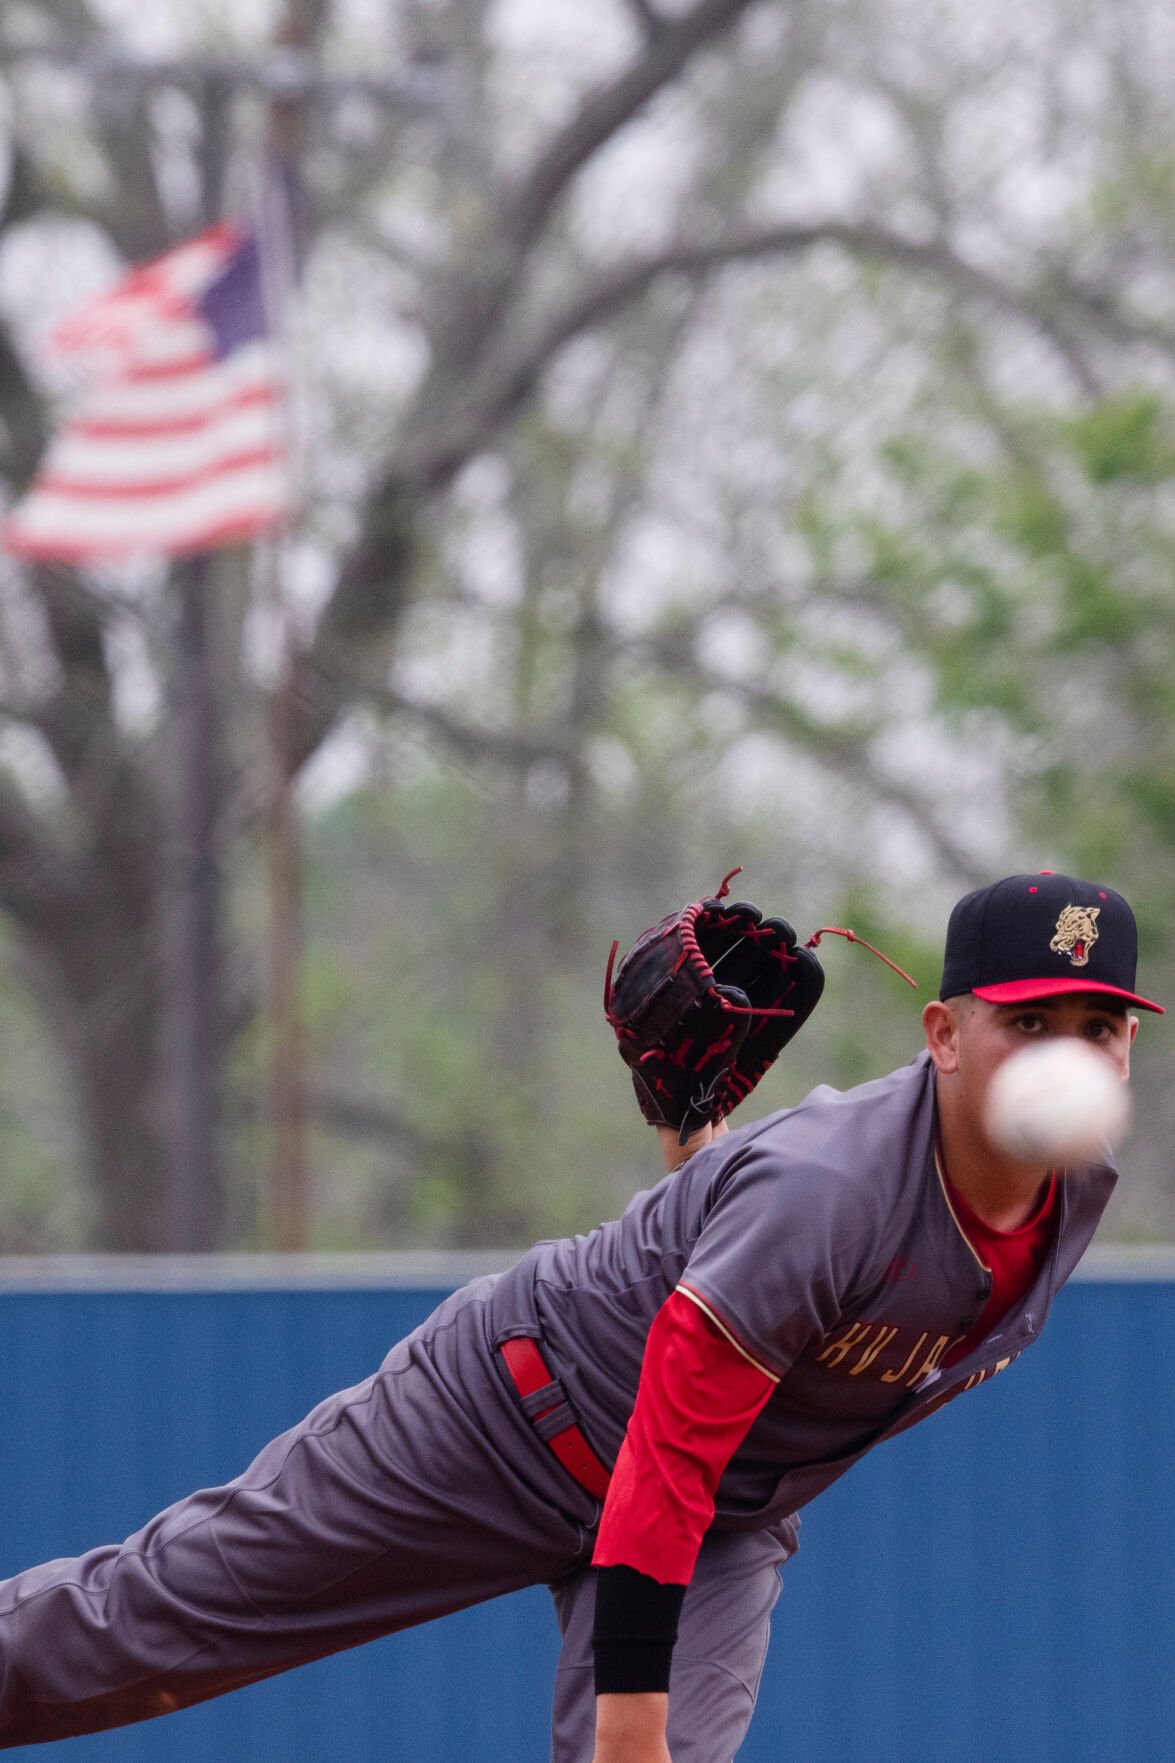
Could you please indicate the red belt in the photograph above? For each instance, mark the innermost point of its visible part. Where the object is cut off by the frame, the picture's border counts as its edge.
(548, 1411)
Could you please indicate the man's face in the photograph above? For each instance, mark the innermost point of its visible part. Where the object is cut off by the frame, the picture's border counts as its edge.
(969, 1039)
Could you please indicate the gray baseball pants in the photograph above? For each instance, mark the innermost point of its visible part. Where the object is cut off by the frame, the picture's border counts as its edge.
(416, 1493)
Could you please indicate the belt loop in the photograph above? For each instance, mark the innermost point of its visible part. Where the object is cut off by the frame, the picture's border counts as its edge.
(545, 1404)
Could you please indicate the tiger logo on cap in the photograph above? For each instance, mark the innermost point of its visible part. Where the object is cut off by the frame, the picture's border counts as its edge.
(1076, 934)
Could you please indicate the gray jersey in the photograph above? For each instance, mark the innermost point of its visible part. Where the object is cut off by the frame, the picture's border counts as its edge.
(822, 1241)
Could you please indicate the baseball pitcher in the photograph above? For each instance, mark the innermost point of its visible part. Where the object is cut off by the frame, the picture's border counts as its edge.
(635, 1416)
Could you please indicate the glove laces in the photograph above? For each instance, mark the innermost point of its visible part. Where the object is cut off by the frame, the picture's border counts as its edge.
(850, 936)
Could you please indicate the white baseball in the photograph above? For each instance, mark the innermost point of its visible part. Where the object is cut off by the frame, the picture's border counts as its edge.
(1058, 1100)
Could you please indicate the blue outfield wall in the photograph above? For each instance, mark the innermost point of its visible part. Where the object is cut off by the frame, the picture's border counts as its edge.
(995, 1586)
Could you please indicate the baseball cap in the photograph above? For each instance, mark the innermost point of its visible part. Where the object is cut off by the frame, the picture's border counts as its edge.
(1039, 936)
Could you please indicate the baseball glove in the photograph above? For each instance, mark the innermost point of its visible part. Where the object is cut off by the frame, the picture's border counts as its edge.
(703, 1004)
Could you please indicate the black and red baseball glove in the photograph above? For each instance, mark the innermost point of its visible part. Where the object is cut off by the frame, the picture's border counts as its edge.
(704, 1003)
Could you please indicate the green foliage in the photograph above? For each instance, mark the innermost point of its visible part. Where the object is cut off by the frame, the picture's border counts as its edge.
(1128, 437)
(42, 1201)
(1025, 511)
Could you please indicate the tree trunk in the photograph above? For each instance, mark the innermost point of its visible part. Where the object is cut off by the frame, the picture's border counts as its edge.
(102, 989)
(191, 927)
(119, 1087)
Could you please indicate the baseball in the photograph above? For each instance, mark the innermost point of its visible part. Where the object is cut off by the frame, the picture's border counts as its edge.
(1059, 1100)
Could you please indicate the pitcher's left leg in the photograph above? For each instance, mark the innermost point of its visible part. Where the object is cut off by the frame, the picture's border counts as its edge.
(420, 1491)
(717, 1663)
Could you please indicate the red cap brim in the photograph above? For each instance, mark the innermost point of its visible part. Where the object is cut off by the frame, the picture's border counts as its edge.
(1026, 991)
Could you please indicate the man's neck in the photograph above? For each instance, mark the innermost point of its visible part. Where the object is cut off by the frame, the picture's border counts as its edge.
(1004, 1193)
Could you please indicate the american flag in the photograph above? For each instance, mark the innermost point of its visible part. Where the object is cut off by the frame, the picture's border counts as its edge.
(176, 444)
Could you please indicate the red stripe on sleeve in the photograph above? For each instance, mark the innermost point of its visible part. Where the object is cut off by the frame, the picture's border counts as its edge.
(697, 1399)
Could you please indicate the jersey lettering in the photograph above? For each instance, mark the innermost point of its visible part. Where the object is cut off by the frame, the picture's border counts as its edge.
(869, 1347)
(838, 1350)
(897, 1376)
(884, 1337)
(930, 1363)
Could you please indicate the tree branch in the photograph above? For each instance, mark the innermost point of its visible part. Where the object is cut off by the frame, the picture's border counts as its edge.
(845, 752)
(362, 614)
(477, 304)
(374, 588)
(119, 97)
(357, 1117)
(25, 430)
(469, 741)
(1098, 309)
(648, 18)
(36, 880)
(511, 376)
(605, 112)
(23, 196)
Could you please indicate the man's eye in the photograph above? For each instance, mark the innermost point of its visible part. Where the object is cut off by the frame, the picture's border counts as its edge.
(1031, 1024)
(1099, 1031)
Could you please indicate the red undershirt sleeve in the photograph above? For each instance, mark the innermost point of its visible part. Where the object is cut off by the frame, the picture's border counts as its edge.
(698, 1396)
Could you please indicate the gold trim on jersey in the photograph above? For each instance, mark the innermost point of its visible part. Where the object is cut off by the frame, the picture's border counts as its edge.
(946, 1194)
(725, 1332)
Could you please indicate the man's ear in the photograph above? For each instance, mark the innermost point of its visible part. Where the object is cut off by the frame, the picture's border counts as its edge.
(941, 1026)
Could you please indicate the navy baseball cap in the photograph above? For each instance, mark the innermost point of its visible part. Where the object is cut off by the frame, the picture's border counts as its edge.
(1039, 936)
